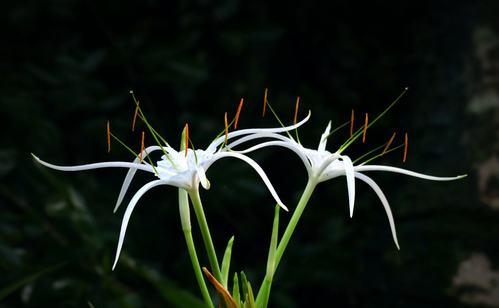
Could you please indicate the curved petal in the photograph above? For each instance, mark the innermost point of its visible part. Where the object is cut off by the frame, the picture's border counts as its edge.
(288, 145)
(255, 166)
(349, 173)
(111, 164)
(323, 142)
(128, 213)
(407, 172)
(202, 178)
(383, 200)
(259, 135)
(131, 173)
(248, 131)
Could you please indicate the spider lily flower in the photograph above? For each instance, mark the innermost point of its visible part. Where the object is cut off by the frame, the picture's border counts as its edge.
(182, 169)
(322, 165)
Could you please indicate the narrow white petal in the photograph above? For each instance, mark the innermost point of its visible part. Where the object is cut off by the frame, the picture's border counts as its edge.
(406, 172)
(323, 142)
(202, 178)
(349, 172)
(292, 146)
(248, 131)
(131, 174)
(384, 201)
(255, 166)
(128, 213)
(112, 164)
(258, 136)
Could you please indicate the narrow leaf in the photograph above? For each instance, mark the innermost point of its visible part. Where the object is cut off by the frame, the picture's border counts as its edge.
(235, 290)
(226, 262)
(221, 290)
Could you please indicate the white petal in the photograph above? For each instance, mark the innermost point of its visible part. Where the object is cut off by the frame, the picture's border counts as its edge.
(406, 172)
(202, 178)
(258, 136)
(323, 142)
(131, 174)
(112, 164)
(349, 172)
(255, 166)
(384, 201)
(292, 146)
(128, 213)
(248, 131)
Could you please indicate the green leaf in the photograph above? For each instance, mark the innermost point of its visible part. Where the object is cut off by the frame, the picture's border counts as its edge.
(264, 292)
(226, 262)
(235, 290)
(250, 299)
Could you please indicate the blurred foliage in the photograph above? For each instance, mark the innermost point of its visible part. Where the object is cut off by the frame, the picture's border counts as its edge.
(68, 66)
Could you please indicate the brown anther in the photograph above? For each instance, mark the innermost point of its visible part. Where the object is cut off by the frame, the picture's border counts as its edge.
(388, 144)
(142, 146)
(265, 102)
(135, 117)
(297, 106)
(186, 138)
(108, 137)
(366, 121)
(226, 128)
(352, 119)
(406, 145)
(238, 112)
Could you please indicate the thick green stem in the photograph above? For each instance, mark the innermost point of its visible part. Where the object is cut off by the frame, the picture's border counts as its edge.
(205, 232)
(185, 218)
(309, 189)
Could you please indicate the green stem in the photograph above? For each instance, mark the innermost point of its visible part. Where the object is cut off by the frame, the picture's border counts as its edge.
(309, 189)
(183, 203)
(205, 232)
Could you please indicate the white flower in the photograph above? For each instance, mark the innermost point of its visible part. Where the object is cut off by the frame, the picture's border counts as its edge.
(323, 165)
(185, 169)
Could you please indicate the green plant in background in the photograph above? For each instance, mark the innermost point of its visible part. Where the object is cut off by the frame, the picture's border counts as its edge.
(185, 169)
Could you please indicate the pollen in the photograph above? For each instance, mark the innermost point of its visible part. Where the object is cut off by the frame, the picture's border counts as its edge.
(388, 144)
(265, 101)
(297, 107)
(226, 128)
(366, 121)
(238, 112)
(352, 120)
(406, 145)
(141, 146)
(108, 126)
(186, 138)
(135, 117)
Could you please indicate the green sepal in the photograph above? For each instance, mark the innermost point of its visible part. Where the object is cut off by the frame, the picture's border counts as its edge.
(226, 263)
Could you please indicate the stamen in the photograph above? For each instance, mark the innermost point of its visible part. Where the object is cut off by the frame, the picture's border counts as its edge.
(297, 106)
(141, 146)
(238, 112)
(108, 137)
(135, 116)
(389, 143)
(186, 138)
(265, 101)
(406, 144)
(352, 119)
(366, 121)
(226, 128)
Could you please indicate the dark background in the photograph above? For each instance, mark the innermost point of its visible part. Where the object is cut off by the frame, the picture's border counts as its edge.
(67, 67)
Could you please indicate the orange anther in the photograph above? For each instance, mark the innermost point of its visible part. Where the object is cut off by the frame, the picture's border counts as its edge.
(366, 121)
(388, 144)
(406, 145)
(352, 119)
(226, 128)
(238, 112)
(265, 101)
(297, 106)
(141, 146)
(186, 138)
(108, 137)
(135, 117)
